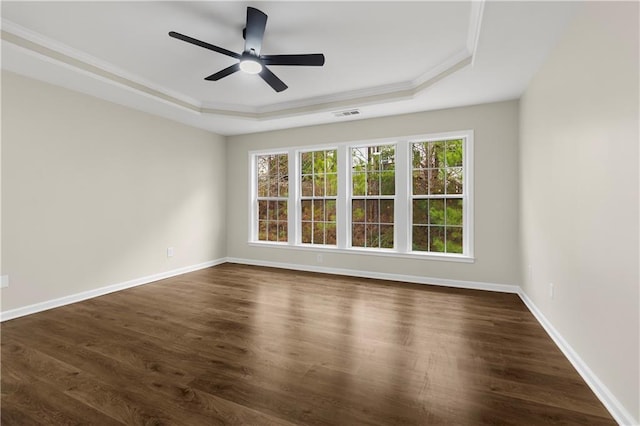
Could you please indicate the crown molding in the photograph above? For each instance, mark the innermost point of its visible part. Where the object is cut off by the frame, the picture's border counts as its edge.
(475, 22)
(52, 51)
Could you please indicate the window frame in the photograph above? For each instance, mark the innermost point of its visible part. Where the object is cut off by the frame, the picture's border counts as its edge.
(379, 197)
(300, 198)
(402, 210)
(466, 196)
(254, 219)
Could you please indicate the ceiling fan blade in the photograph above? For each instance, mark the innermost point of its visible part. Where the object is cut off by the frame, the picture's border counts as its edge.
(273, 81)
(225, 72)
(203, 44)
(254, 32)
(311, 59)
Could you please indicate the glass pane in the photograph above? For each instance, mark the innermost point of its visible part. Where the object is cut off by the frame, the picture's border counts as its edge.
(436, 239)
(454, 181)
(306, 232)
(282, 210)
(330, 233)
(386, 211)
(386, 236)
(373, 183)
(263, 186)
(332, 161)
(454, 153)
(318, 210)
(272, 231)
(306, 210)
(373, 235)
(371, 207)
(273, 186)
(307, 186)
(332, 185)
(357, 211)
(318, 162)
(359, 159)
(306, 158)
(419, 155)
(420, 238)
(330, 210)
(318, 185)
(318, 233)
(283, 187)
(388, 183)
(262, 210)
(454, 211)
(420, 211)
(282, 231)
(420, 182)
(435, 155)
(387, 159)
(283, 175)
(357, 236)
(454, 239)
(436, 181)
(270, 213)
(436, 212)
(262, 230)
(373, 159)
(359, 183)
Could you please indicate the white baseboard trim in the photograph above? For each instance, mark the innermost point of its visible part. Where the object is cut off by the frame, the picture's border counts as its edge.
(611, 403)
(73, 298)
(415, 279)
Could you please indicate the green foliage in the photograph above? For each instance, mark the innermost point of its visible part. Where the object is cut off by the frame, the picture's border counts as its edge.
(437, 221)
(373, 170)
(437, 170)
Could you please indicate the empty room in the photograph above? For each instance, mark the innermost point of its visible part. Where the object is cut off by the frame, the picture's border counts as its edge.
(320, 213)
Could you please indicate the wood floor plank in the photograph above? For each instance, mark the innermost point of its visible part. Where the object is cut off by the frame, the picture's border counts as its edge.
(240, 345)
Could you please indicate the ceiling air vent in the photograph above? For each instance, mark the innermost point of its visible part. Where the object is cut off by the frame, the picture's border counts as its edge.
(346, 113)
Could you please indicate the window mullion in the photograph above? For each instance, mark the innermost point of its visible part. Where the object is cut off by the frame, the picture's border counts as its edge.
(403, 197)
(343, 218)
(293, 208)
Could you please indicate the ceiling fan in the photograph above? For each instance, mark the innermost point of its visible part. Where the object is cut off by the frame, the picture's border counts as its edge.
(250, 61)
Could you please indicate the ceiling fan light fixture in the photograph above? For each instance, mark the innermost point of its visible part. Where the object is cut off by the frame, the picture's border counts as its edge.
(250, 66)
(251, 61)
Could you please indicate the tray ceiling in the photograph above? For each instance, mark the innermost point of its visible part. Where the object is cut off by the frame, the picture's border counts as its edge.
(382, 57)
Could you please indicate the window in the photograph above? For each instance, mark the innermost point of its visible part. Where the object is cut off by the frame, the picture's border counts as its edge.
(319, 190)
(437, 196)
(273, 189)
(373, 188)
(407, 196)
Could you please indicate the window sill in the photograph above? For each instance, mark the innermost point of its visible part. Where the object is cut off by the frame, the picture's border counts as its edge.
(364, 251)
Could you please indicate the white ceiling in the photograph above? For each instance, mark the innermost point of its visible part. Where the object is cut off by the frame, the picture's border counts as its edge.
(384, 58)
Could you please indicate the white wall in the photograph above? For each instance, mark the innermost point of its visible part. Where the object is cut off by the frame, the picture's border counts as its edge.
(93, 193)
(579, 193)
(496, 206)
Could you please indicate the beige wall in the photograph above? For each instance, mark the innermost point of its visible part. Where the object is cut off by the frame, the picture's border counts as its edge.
(579, 193)
(93, 193)
(496, 207)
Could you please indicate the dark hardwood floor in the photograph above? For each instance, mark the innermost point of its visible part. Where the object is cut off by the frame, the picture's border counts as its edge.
(257, 346)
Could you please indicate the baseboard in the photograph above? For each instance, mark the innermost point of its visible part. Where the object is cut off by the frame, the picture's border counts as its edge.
(73, 298)
(611, 403)
(474, 285)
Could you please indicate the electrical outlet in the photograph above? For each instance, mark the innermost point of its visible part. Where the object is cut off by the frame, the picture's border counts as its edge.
(4, 281)
(170, 252)
(552, 291)
(319, 258)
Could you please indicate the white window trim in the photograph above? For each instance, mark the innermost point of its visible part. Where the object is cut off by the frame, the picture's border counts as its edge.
(402, 213)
